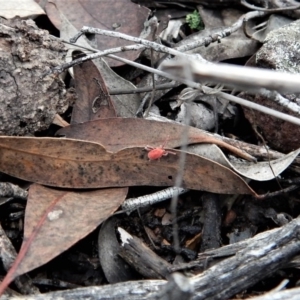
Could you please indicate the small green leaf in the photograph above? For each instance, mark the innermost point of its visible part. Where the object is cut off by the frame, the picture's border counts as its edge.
(194, 20)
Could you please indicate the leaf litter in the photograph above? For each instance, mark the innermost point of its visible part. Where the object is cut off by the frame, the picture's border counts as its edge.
(56, 219)
(52, 215)
(127, 154)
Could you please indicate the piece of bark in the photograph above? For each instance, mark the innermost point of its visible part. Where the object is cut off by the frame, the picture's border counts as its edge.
(178, 287)
(29, 101)
(133, 290)
(141, 258)
(247, 268)
(211, 235)
(291, 294)
(8, 189)
(114, 267)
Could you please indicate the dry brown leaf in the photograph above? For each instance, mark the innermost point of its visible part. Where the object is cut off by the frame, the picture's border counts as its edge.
(57, 219)
(78, 164)
(21, 8)
(121, 15)
(135, 132)
(126, 105)
(93, 100)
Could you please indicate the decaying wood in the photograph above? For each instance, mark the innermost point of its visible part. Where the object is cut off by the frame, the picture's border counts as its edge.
(257, 258)
(211, 234)
(133, 290)
(8, 189)
(291, 294)
(246, 268)
(178, 287)
(141, 258)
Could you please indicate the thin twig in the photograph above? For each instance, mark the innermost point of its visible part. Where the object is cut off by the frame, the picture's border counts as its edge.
(260, 108)
(265, 145)
(228, 97)
(288, 81)
(143, 89)
(97, 54)
(221, 34)
(152, 45)
(280, 192)
(269, 10)
(278, 98)
(153, 76)
(134, 203)
(181, 166)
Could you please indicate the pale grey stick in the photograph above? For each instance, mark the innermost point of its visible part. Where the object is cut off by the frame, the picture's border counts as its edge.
(152, 45)
(247, 78)
(232, 98)
(134, 203)
(195, 85)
